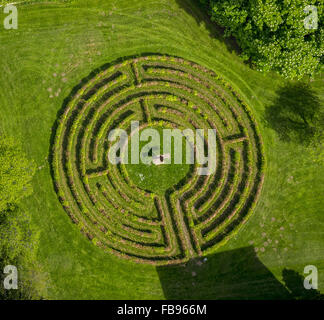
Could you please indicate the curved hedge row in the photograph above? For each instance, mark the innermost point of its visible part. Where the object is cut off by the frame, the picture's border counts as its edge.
(195, 216)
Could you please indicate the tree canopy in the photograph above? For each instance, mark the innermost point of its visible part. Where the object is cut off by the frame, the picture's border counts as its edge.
(272, 33)
(16, 172)
(19, 239)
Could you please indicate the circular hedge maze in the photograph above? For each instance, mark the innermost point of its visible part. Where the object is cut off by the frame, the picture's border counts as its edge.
(198, 213)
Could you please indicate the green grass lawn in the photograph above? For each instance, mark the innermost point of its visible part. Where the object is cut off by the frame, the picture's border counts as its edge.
(157, 178)
(56, 45)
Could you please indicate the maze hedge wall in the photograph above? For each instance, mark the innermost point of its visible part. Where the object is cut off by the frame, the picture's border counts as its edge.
(195, 216)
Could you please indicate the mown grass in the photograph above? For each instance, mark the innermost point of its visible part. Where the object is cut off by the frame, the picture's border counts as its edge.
(158, 178)
(58, 44)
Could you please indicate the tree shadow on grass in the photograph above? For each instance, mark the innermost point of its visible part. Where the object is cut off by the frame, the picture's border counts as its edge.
(232, 275)
(296, 114)
(235, 274)
(295, 284)
(199, 12)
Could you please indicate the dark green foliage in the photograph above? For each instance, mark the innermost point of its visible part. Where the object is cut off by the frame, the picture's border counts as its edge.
(272, 33)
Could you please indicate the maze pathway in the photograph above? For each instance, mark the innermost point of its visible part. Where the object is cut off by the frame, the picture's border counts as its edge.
(195, 216)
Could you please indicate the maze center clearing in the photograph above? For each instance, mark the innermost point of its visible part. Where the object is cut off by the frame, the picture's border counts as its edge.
(158, 176)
